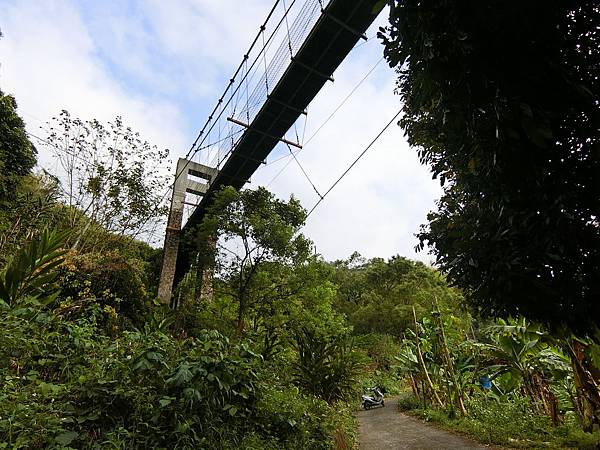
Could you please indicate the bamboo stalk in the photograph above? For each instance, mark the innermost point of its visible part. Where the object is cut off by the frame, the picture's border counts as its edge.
(450, 365)
(422, 361)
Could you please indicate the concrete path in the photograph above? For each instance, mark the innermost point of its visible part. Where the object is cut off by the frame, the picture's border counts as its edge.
(386, 429)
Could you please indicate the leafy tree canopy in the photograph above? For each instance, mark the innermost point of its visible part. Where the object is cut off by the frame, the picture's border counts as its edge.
(502, 101)
(110, 174)
(378, 296)
(17, 154)
(255, 240)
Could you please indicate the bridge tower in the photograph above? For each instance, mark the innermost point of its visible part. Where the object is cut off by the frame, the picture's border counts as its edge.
(310, 49)
(183, 184)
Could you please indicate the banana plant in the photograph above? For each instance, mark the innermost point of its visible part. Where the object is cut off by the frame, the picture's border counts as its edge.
(31, 272)
(521, 353)
(408, 366)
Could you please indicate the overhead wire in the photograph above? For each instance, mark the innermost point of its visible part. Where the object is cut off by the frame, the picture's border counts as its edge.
(231, 82)
(304, 171)
(365, 150)
(345, 100)
(383, 130)
(333, 113)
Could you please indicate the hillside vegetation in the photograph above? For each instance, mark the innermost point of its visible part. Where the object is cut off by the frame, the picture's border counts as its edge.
(266, 344)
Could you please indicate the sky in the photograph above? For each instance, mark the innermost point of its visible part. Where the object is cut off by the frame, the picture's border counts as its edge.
(162, 66)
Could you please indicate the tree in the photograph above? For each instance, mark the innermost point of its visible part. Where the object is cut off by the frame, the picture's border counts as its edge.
(377, 295)
(502, 101)
(33, 208)
(258, 240)
(17, 154)
(112, 178)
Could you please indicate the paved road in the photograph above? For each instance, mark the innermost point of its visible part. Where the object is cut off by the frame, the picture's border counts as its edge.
(387, 429)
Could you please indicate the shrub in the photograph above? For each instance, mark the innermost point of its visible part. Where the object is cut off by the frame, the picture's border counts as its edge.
(67, 384)
(291, 416)
(408, 403)
(327, 366)
(507, 422)
(300, 421)
(64, 382)
(109, 278)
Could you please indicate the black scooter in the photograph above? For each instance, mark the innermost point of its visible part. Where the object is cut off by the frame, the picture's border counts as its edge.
(371, 401)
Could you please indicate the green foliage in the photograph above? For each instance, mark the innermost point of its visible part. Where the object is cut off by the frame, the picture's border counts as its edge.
(265, 225)
(508, 422)
(515, 350)
(34, 208)
(69, 380)
(266, 231)
(380, 348)
(531, 372)
(31, 272)
(113, 178)
(110, 278)
(86, 360)
(17, 154)
(144, 390)
(327, 366)
(64, 380)
(377, 296)
(289, 415)
(516, 152)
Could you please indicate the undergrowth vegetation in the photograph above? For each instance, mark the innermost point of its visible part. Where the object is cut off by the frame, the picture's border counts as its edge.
(508, 422)
(80, 370)
(69, 382)
(264, 344)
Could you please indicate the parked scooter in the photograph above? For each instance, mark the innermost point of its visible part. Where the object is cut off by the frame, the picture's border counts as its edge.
(371, 401)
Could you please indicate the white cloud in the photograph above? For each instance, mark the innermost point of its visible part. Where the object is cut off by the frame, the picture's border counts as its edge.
(378, 207)
(185, 48)
(162, 65)
(49, 63)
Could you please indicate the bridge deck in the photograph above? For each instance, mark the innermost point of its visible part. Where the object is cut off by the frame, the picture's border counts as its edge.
(334, 35)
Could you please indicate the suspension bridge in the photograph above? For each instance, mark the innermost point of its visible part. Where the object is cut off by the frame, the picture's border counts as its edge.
(294, 54)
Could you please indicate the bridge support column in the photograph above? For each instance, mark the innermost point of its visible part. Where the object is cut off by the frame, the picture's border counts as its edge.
(183, 184)
(205, 273)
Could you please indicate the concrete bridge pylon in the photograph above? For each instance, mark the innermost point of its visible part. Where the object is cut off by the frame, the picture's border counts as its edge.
(183, 185)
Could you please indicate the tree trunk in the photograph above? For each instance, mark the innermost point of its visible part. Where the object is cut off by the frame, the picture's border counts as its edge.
(546, 397)
(413, 386)
(239, 327)
(586, 383)
(204, 290)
